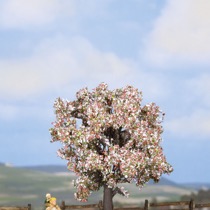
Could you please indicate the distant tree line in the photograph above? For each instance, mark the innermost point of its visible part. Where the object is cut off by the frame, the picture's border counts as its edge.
(203, 195)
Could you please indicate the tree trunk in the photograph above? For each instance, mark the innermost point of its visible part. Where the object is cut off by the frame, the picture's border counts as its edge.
(107, 200)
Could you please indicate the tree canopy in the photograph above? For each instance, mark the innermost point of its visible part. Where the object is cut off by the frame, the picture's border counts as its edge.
(109, 138)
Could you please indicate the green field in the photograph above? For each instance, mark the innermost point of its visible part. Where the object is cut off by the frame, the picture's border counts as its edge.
(20, 186)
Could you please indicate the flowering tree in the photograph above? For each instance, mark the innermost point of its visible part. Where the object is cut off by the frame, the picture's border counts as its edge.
(108, 139)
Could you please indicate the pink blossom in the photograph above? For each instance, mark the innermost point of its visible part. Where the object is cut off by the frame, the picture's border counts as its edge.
(109, 138)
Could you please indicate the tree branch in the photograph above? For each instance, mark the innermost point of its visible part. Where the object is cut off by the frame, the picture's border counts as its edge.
(117, 190)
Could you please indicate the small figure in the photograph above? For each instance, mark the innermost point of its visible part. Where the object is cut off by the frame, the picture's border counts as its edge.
(52, 204)
(47, 200)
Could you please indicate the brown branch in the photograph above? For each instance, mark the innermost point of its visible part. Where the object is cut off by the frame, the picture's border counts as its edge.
(117, 190)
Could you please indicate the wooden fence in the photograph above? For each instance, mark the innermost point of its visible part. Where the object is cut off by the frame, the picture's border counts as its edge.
(88, 206)
(16, 207)
(178, 205)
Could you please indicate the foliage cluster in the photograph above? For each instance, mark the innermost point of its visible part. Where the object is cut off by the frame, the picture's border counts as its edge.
(109, 138)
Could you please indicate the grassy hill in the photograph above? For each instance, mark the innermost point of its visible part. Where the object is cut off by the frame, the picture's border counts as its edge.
(20, 186)
(47, 168)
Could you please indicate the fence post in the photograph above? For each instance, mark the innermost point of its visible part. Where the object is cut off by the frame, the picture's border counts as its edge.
(146, 205)
(63, 205)
(100, 205)
(191, 205)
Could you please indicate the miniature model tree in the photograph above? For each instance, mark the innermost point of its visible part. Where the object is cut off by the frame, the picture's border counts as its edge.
(109, 138)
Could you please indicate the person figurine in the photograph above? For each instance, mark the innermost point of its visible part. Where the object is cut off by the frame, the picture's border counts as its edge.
(52, 204)
(47, 200)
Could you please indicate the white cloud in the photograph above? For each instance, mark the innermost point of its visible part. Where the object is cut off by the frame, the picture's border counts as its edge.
(58, 62)
(194, 121)
(27, 14)
(91, 8)
(182, 32)
(200, 89)
(60, 66)
(195, 125)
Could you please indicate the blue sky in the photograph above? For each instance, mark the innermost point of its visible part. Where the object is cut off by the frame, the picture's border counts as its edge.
(52, 48)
